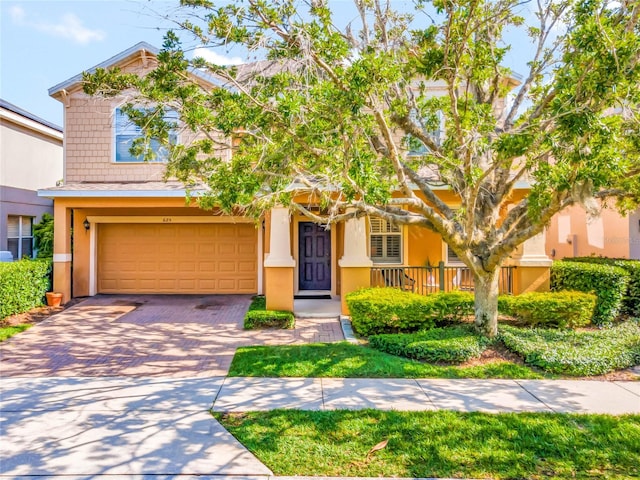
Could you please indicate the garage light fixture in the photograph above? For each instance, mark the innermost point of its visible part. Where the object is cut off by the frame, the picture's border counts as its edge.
(86, 224)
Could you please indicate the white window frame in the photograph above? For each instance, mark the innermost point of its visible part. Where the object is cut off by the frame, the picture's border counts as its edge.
(21, 236)
(446, 251)
(135, 132)
(385, 259)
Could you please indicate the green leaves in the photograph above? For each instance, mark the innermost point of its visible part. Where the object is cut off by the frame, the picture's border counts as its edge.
(341, 112)
(576, 353)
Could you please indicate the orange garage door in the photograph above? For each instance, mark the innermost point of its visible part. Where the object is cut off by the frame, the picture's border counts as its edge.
(180, 258)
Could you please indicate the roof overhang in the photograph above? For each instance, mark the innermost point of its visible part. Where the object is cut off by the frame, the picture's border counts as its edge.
(141, 50)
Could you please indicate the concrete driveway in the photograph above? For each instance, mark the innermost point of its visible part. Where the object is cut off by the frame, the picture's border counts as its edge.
(175, 336)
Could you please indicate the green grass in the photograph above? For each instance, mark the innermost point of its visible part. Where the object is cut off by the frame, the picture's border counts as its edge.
(351, 361)
(8, 332)
(580, 353)
(441, 444)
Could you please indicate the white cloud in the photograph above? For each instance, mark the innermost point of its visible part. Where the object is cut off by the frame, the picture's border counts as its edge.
(69, 26)
(17, 14)
(215, 58)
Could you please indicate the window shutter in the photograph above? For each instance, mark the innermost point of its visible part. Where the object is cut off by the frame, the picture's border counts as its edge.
(376, 225)
(393, 248)
(376, 247)
(452, 257)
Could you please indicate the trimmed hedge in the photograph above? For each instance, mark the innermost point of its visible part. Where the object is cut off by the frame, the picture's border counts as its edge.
(23, 285)
(576, 353)
(258, 317)
(631, 302)
(450, 344)
(550, 309)
(607, 282)
(390, 310)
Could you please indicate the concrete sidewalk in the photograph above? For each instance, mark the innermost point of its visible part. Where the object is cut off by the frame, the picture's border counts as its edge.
(464, 395)
(153, 426)
(86, 427)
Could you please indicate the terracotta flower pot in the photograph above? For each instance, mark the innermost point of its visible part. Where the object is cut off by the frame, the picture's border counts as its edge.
(54, 299)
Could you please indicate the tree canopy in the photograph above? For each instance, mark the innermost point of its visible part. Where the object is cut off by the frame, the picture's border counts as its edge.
(382, 113)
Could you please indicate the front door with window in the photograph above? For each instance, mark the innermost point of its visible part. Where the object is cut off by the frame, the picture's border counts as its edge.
(314, 255)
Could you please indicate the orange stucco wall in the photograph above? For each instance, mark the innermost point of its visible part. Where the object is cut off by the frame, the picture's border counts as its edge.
(572, 234)
(423, 246)
(91, 207)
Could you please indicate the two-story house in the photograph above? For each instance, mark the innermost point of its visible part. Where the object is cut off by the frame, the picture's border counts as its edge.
(30, 159)
(125, 230)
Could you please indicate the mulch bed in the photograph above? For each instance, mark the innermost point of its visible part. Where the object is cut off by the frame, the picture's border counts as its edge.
(35, 315)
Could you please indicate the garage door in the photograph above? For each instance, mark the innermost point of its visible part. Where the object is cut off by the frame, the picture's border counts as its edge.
(179, 258)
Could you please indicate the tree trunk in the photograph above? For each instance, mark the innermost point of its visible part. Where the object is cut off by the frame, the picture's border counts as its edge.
(486, 302)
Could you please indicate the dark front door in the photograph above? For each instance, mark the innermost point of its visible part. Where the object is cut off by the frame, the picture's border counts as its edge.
(314, 248)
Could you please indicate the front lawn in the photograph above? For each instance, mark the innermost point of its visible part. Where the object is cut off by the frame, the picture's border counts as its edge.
(10, 331)
(346, 360)
(441, 444)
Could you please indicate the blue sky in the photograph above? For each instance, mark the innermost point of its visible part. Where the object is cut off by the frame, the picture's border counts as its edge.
(43, 43)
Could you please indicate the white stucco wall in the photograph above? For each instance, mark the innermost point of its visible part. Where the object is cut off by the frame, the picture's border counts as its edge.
(30, 153)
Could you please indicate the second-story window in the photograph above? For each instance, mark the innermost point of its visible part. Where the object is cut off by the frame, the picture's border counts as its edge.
(415, 147)
(126, 132)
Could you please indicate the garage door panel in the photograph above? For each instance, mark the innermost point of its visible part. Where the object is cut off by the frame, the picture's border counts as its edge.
(246, 267)
(178, 258)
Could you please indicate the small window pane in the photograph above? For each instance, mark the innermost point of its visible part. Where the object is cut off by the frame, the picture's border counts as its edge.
(13, 227)
(26, 226)
(12, 245)
(27, 247)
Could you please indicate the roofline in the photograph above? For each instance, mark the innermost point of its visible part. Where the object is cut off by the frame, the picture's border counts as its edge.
(29, 116)
(115, 193)
(129, 52)
(106, 64)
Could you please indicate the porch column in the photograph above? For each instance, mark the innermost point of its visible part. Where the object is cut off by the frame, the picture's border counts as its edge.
(533, 266)
(62, 251)
(355, 264)
(279, 264)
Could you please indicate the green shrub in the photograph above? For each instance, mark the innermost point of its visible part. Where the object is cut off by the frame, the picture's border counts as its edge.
(631, 302)
(43, 235)
(454, 305)
(268, 318)
(258, 317)
(390, 310)
(609, 284)
(450, 344)
(576, 353)
(550, 309)
(22, 285)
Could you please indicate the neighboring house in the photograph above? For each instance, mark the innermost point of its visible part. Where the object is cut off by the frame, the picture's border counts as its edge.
(125, 230)
(573, 234)
(30, 159)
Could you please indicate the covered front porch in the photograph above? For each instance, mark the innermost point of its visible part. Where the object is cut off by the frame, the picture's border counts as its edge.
(309, 268)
